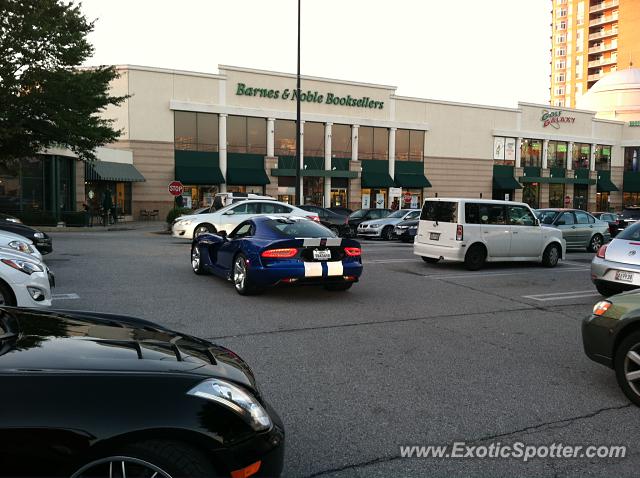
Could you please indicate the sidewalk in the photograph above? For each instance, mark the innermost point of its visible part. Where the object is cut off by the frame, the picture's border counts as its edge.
(124, 226)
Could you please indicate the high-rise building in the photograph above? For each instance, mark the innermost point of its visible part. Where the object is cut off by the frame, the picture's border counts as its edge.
(590, 38)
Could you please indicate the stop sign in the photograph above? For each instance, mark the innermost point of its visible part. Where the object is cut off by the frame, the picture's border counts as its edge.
(407, 197)
(176, 188)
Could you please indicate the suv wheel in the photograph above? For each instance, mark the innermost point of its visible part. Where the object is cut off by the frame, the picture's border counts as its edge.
(551, 255)
(475, 257)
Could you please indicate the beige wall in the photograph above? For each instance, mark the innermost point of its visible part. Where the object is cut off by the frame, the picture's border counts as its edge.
(457, 177)
(120, 114)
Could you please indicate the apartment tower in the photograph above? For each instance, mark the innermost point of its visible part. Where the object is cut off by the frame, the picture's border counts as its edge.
(590, 38)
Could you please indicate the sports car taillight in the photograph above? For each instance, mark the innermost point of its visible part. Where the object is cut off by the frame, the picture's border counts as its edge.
(353, 251)
(280, 253)
(314, 218)
(602, 251)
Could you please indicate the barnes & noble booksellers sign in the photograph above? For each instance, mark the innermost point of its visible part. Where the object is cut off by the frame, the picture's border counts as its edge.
(309, 97)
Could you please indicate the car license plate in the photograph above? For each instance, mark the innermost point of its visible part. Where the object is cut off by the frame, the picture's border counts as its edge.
(323, 255)
(624, 276)
(434, 236)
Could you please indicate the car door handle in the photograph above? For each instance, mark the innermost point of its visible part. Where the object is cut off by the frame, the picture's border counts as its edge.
(573, 227)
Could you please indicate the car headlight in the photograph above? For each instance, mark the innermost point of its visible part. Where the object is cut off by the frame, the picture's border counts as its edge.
(21, 246)
(401, 227)
(234, 398)
(185, 223)
(39, 235)
(23, 266)
(413, 227)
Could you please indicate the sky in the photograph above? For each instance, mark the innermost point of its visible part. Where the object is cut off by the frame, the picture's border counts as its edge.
(491, 52)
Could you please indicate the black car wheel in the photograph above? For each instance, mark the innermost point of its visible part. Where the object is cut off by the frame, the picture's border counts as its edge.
(627, 366)
(196, 262)
(551, 255)
(475, 257)
(596, 242)
(337, 287)
(203, 229)
(430, 260)
(240, 277)
(387, 233)
(6, 297)
(159, 459)
(608, 290)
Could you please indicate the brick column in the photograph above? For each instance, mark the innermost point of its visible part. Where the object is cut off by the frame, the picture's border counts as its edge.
(355, 188)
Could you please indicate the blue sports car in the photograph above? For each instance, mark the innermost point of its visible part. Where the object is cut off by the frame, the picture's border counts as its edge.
(266, 250)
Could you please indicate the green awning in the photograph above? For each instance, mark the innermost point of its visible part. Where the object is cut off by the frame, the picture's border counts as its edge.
(412, 181)
(375, 174)
(198, 167)
(315, 172)
(506, 182)
(605, 185)
(247, 177)
(109, 171)
(533, 179)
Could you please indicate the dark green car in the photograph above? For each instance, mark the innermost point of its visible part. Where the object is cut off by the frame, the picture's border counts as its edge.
(611, 336)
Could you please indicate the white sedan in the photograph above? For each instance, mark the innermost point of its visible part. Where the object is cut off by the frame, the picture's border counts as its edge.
(19, 244)
(227, 218)
(24, 281)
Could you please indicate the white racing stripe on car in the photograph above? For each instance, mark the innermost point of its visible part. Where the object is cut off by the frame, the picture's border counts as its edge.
(313, 269)
(334, 268)
(334, 241)
(311, 241)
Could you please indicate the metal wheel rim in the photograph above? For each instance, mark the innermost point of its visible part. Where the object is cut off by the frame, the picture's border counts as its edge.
(200, 230)
(239, 273)
(117, 466)
(195, 258)
(595, 243)
(632, 368)
(553, 256)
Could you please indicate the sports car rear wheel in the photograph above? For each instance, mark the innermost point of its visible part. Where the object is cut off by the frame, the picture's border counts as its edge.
(196, 260)
(240, 276)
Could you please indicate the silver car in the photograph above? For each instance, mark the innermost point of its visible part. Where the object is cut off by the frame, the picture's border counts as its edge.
(579, 228)
(384, 228)
(616, 266)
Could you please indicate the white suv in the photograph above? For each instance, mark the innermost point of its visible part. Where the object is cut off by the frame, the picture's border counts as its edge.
(475, 231)
(227, 218)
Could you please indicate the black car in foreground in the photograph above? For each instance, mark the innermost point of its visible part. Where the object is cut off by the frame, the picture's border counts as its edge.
(96, 395)
(406, 230)
(41, 240)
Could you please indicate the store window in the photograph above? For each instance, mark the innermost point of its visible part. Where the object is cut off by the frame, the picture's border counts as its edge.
(195, 131)
(632, 159)
(602, 201)
(339, 192)
(504, 151)
(603, 157)
(556, 195)
(313, 190)
(531, 194)
(631, 199)
(531, 153)
(373, 143)
(580, 195)
(581, 155)
(341, 141)
(557, 154)
(246, 135)
(285, 138)
(313, 139)
(409, 145)
(374, 198)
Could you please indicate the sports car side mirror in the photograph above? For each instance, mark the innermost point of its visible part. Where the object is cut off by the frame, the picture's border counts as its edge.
(222, 234)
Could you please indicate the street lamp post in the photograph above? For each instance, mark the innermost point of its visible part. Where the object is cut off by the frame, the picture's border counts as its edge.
(298, 199)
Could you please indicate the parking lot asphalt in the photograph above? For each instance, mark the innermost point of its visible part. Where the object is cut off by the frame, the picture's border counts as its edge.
(414, 354)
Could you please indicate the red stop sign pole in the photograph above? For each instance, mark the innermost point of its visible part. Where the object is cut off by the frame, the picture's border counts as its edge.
(176, 188)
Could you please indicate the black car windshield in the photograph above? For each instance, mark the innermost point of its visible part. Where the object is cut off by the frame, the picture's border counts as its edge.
(546, 217)
(399, 213)
(357, 214)
(631, 233)
(299, 228)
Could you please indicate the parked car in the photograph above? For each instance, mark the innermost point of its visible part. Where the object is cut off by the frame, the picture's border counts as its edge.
(579, 228)
(343, 211)
(8, 218)
(24, 280)
(616, 266)
(20, 244)
(221, 200)
(406, 230)
(41, 240)
(628, 216)
(611, 336)
(611, 219)
(267, 251)
(227, 218)
(328, 218)
(384, 228)
(353, 220)
(109, 395)
(476, 231)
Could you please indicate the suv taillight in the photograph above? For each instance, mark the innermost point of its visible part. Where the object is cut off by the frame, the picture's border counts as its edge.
(459, 232)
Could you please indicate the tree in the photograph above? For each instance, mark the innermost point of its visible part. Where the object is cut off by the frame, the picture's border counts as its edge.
(46, 100)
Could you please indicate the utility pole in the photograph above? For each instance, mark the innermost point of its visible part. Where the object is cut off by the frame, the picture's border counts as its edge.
(299, 191)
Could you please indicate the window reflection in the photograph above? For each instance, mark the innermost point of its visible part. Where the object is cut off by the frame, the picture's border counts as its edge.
(195, 131)
(313, 139)
(373, 143)
(285, 138)
(341, 141)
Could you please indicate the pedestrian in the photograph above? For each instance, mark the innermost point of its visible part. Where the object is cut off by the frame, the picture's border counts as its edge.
(395, 205)
(107, 205)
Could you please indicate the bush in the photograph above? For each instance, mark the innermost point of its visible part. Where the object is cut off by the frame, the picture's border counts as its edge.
(177, 212)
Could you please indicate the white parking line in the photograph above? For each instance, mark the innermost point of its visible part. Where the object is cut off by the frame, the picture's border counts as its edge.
(576, 294)
(71, 296)
(571, 263)
(387, 261)
(472, 275)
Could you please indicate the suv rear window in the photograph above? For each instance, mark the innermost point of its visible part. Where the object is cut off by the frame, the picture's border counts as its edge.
(440, 211)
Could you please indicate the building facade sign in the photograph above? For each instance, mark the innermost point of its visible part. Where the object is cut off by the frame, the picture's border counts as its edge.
(309, 97)
(554, 118)
(634, 123)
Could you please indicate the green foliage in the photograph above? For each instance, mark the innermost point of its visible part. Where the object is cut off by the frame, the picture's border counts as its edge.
(177, 212)
(45, 99)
